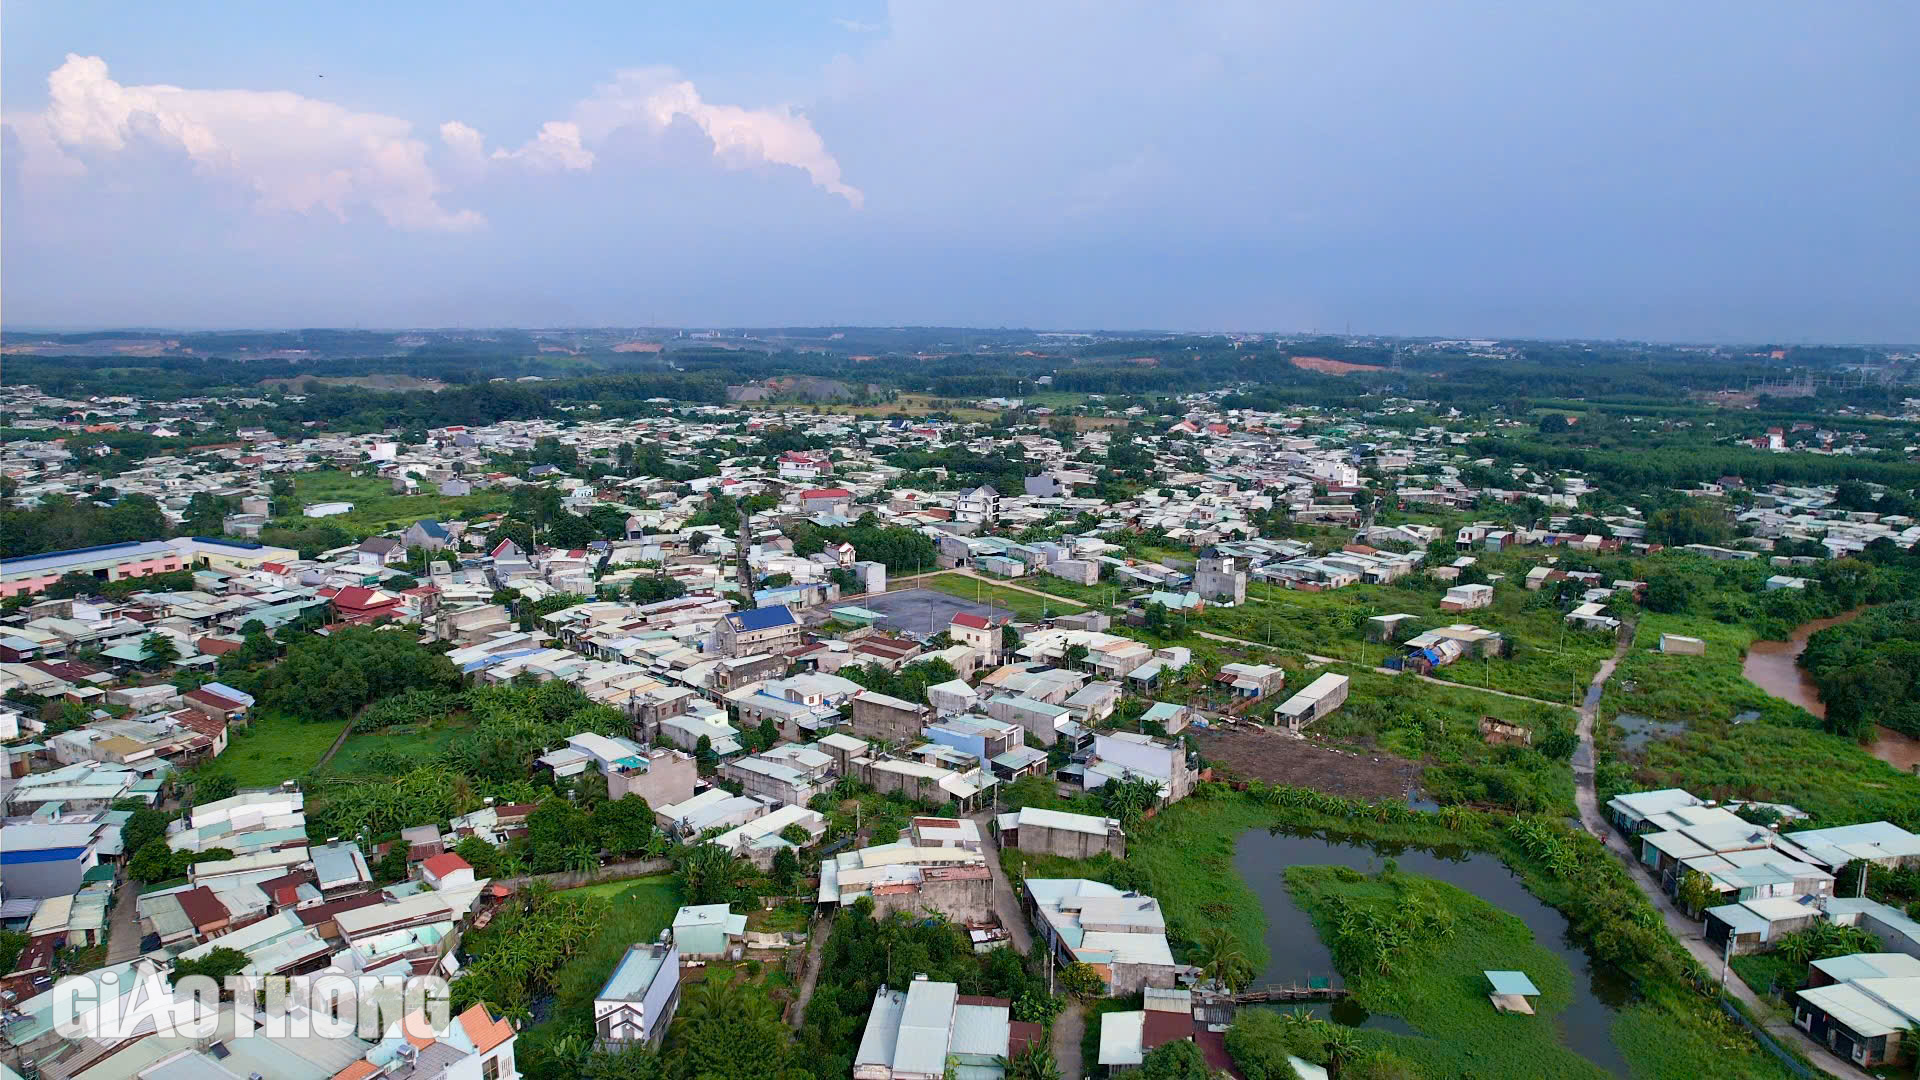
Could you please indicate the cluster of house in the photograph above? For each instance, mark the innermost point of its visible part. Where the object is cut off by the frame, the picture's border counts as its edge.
(1776, 883)
(290, 905)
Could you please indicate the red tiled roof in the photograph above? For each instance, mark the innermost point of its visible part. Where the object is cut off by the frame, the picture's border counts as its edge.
(1161, 1028)
(218, 701)
(442, 865)
(202, 907)
(977, 622)
(486, 1030)
(826, 493)
(213, 646)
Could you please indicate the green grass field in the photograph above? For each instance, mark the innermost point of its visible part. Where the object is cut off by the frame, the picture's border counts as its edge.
(273, 748)
(376, 509)
(1438, 986)
(1780, 756)
(366, 753)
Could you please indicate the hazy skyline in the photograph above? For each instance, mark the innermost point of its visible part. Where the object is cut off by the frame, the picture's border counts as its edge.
(1709, 171)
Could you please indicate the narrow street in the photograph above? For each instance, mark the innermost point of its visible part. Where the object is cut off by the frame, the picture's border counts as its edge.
(1005, 904)
(816, 948)
(1689, 933)
(123, 928)
(1068, 1029)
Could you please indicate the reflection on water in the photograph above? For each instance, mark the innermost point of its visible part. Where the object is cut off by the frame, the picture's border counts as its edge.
(1641, 730)
(1348, 1013)
(1262, 857)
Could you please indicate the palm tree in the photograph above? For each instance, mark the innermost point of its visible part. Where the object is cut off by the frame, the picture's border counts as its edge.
(1225, 962)
(711, 1000)
(582, 859)
(1342, 1044)
(1034, 1063)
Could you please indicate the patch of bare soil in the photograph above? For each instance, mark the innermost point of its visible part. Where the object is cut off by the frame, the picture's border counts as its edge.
(1264, 755)
(1330, 367)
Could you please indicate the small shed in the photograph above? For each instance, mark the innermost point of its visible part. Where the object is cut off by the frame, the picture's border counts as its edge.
(1511, 989)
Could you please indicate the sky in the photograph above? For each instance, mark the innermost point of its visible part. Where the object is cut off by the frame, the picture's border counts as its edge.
(1701, 171)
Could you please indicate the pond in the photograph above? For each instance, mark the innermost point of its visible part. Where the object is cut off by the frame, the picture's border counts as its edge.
(1637, 731)
(1262, 857)
(1774, 666)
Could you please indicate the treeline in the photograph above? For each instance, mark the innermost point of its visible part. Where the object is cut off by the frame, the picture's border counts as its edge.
(1868, 670)
(61, 522)
(1642, 469)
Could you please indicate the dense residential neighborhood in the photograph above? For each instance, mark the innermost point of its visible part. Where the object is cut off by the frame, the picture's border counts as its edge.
(752, 739)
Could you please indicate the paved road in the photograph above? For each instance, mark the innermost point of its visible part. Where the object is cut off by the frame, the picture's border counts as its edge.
(1068, 1028)
(1687, 931)
(816, 945)
(123, 929)
(1005, 904)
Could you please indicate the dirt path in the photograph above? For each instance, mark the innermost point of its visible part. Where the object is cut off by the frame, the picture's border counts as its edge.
(1068, 1028)
(1689, 933)
(1005, 903)
(896, 584)
(816, 946)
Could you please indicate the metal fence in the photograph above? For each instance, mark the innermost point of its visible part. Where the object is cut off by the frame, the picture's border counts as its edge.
(1794, 1064)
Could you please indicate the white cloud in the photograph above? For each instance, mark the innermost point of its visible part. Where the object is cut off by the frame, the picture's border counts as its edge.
(556, 147)
(295, 153)
(855, 26)
(466, 144)
(654, 98)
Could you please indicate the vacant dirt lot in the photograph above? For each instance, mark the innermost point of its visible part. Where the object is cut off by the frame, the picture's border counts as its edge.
(1331, 367)
(1260, 754)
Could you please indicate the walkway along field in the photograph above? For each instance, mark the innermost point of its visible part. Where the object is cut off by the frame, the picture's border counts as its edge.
(1685, 930)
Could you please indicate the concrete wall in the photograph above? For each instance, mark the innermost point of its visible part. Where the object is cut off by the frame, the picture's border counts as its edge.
(1070, 843)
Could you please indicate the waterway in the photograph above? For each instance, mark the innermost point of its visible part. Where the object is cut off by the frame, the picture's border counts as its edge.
(1262, 856)
(1774, 666)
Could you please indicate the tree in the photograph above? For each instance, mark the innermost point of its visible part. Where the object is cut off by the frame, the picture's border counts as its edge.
(704, 756)
(218, 964)
(554, 828)
(626, 825)
(709, 874)
(1081, 980)
(158, 650)
(207, 789)
(1034, 1063)
(151, 862)
(482, 856)
(769, 733)
(1224, 961)
(392, 866)
(1177, 1060)
(1696, 893)
(786, 867)
(1129, 798)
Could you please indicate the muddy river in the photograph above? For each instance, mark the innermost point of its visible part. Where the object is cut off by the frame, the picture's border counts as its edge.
(1774, 666)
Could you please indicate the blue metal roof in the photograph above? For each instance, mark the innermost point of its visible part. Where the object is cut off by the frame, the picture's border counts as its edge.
(766, 618)
(39, 855)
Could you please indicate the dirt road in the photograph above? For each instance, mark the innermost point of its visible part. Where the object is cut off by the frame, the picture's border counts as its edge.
(1689, 933)
(816, 947)
(1068, 1028)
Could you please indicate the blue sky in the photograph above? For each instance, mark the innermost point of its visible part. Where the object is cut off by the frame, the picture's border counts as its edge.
(1699, 171)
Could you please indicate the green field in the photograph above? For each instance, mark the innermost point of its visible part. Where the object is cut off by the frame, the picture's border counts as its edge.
(376, 509)
(370, 753)
(642, 907)
(273, 748)
(1780, 756)
(1437, 985)
(1549, 661)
